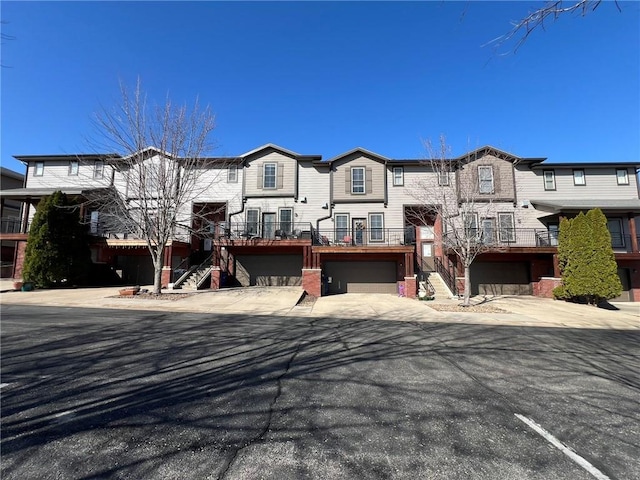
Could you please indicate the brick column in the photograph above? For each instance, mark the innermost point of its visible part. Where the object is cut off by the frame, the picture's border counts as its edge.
(215, 278)
(165, 280)
(18, 263)
(312, 281)
(410, 286)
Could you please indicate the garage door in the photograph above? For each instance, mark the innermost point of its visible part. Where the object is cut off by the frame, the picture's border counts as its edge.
(625, 279)
(361, 277)
(500, 278)
(276, 270)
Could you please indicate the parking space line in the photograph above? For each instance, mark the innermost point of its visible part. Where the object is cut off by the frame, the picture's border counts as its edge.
(563, 448)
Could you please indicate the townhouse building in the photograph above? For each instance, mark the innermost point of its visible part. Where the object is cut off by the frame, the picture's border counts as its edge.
(359, 222)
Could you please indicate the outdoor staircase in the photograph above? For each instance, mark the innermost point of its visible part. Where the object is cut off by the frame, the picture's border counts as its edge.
(195, 276)
(440, 288)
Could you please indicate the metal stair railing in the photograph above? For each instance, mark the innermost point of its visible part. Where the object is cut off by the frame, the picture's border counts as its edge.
(183, 278)
(445, 275)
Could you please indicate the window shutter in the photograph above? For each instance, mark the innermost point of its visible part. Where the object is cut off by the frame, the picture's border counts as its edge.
(367, 177)
(260, 177)
(280, 181)
(347, 180)
(496, 179)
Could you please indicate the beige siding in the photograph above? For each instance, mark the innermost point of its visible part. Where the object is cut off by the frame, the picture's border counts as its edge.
(372, 167)
(286, 170)
(56, 175)
(600, 183)
(503, 185)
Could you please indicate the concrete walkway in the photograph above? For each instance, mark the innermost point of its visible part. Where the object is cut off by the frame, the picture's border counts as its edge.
(516, 310)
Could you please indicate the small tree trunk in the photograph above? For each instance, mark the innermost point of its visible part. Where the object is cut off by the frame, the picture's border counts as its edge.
(467, 285)
(157, 273)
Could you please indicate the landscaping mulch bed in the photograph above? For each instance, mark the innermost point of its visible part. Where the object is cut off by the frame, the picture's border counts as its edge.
(161, 296)
(442, 307)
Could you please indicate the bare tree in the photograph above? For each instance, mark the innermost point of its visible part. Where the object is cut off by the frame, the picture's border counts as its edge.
(161, 168)
(453, 195)
(540, 18)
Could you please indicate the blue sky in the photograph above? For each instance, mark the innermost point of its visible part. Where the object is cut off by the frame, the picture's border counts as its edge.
(324, 77)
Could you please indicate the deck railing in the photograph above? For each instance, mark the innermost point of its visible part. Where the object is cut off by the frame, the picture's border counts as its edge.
(369, 237)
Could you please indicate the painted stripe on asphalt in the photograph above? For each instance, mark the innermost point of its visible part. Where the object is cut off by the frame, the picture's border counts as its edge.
(563, 448)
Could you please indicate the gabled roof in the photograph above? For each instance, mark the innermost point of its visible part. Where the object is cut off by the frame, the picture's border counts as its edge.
(488, 149)
(270, 146)
(364, 151)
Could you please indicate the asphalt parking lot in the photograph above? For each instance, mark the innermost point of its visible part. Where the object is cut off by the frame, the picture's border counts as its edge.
(105, 393)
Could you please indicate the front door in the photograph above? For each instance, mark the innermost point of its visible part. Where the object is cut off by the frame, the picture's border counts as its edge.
(268, 225)
(359, 231)
(427, 263)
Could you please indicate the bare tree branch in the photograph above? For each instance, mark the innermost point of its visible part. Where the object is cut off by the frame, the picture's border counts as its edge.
(162, 168)
(452, 195)
(539, 18)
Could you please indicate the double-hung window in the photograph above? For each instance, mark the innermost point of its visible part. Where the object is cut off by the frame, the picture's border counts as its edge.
(578, 177)
(253, 220)
(622, 176)
(485, 179)
(470, 221)
(342, 226)
(39, 169)
(376, 227)
(357, 180)
(98, 169)
(506, 227)
(232, 174)
(73, 167)
(443, 178)
(286, 220)
(549, 179)
(270, 175)
(398, 176)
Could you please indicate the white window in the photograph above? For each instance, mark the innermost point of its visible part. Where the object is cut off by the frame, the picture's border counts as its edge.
(98, 169)
(73, 167)
(357, 180)
(342, 226)
(39, 170)
(506, 227)
(376, 227)
(485, 179)
(232, 174)
(443, 178)
(270, 174)
(286, 220)
(549, 179)
(622, 176)
(398, 176)
(253, 219)
(578, 177)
